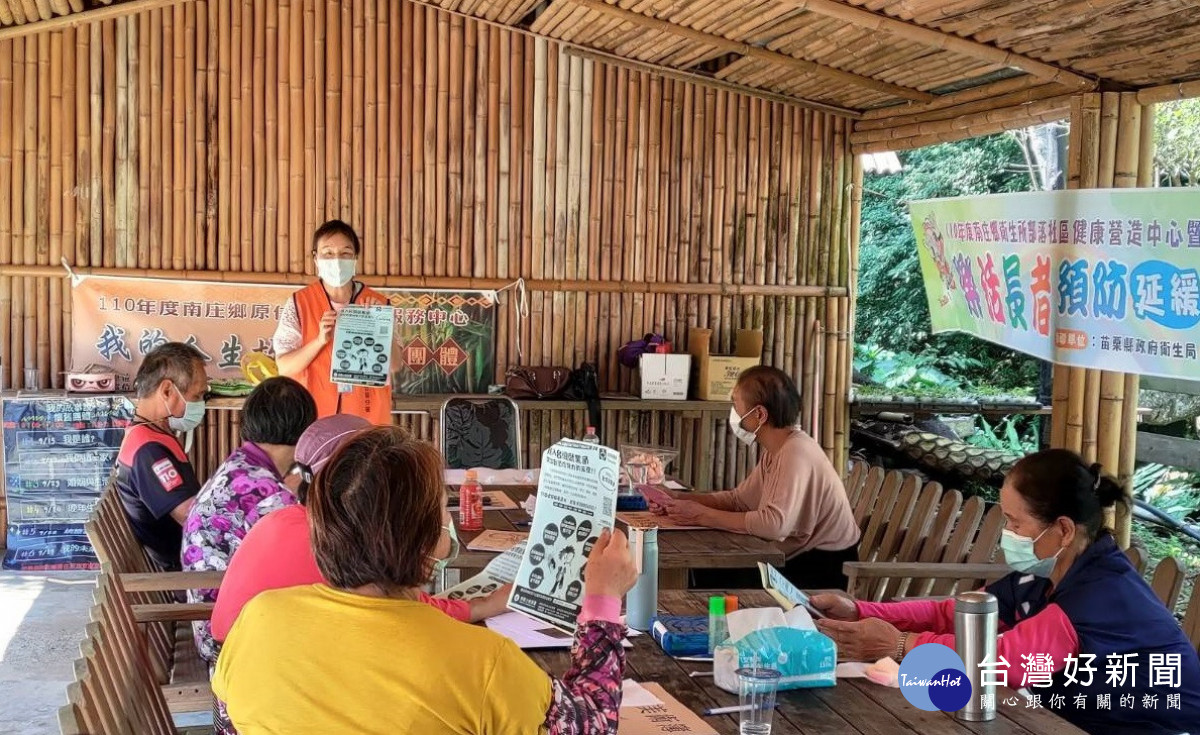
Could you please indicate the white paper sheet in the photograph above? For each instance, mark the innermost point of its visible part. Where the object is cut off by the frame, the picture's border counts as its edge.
(852, 670)
(531, 633)
(577, 499)
(499, 571)
(492, 477)
(362, 345)
(635, 695)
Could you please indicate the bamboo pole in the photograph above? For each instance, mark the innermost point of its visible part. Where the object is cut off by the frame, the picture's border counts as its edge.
(1168, 92)
(94, 17)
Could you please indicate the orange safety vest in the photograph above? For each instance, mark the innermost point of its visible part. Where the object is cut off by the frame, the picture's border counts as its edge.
(373, 404)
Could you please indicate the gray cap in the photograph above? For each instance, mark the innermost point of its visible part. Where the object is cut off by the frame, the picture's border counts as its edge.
(975, 602)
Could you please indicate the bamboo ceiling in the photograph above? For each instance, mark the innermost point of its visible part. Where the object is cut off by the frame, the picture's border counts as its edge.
(852, 55)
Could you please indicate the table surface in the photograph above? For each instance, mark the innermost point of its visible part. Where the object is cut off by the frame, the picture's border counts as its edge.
(853, 706)
(676, 549)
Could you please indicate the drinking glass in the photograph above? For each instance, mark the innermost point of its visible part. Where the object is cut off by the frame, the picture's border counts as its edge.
(756, 694)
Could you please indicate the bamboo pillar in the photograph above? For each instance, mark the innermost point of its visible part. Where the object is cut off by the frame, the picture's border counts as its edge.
(1095, 411)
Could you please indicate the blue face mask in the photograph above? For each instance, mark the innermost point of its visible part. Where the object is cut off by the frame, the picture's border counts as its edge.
(439, 565)
(1019, 554)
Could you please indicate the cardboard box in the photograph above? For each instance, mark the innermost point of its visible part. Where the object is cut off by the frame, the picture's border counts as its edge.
(715, 375)
(665, 377)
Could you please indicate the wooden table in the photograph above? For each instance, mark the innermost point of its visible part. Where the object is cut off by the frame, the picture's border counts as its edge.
(678, 551)
(853, 706)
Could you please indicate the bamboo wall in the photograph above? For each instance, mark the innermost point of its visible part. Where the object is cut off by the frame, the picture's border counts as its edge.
(215, 136)
(1111, 145)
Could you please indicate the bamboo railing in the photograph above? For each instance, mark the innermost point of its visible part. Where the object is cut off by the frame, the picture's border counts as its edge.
(1095, 411)
(209, 139)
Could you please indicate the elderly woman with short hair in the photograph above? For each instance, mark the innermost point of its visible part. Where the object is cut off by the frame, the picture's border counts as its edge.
(248, 485)
(362, 654)
(794, 495)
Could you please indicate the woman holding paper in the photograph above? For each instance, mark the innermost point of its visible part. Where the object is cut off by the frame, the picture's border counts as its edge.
(361, 654)
(794, 495)
(1072, 595)
(303, 339)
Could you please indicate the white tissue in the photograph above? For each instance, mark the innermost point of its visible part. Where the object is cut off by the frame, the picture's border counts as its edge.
(742, 623)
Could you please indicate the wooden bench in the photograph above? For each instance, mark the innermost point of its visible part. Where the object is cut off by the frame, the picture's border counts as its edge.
(115, 691)
(150, 595)
(909, 529)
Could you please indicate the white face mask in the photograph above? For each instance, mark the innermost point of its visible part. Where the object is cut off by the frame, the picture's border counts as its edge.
(193, 414)
(735, 424)
(336, 272)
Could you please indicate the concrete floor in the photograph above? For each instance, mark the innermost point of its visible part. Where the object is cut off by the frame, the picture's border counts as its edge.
(42, 619)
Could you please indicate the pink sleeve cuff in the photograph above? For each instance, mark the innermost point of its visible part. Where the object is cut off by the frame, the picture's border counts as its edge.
(605, 608)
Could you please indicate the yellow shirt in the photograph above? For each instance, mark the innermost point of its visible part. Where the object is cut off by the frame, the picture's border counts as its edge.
(318, 660)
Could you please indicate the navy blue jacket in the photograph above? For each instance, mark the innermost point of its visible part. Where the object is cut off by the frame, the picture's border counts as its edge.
(1113, 611)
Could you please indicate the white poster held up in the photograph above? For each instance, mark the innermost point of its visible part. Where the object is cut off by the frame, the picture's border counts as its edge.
(362, 346)
(500, 571)
(576, 501)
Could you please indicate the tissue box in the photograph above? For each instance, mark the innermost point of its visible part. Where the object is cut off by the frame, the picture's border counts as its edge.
(804, 657)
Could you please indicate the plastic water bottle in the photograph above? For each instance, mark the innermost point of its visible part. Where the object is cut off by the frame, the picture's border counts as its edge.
(976, 617)
(641, 602)
(590, 436)
(470, 503)
(717, 631)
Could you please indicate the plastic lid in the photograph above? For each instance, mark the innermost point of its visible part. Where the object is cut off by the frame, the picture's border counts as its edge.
(716, 605)
(975, 602)
(591, 429)
(472, 475)
(731, 603)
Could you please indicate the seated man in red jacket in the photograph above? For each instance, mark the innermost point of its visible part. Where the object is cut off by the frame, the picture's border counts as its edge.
(154, 478)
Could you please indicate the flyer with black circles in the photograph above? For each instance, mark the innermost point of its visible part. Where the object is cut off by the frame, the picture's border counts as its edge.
(576, 501)
(362, 346)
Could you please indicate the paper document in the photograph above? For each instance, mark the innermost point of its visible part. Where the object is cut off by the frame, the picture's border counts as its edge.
(492, 540)
(362, 345)
(529, 633)
(492, 500)
(853, 670)
(499, 571)
(646, 519)
(635, 695)
(672, 485)
(577, 499)
(786, 593)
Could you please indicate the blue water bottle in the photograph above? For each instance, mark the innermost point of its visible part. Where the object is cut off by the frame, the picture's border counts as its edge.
(641, 602)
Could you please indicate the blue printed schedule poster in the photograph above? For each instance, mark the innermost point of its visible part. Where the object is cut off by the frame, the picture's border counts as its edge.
(58, 453)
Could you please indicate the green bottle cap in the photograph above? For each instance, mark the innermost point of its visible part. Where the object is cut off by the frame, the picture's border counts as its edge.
(716, 605)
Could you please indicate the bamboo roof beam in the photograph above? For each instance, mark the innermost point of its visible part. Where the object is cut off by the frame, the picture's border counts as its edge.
(95, 15)
(970, 94)
(698, 79)
(1169, 92)
(773, 57)
(944, 41)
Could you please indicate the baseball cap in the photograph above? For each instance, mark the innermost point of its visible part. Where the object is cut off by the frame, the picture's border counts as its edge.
(323, 437)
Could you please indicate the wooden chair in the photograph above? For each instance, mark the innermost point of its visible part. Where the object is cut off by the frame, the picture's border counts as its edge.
(910, 532)
(149, 592)
(115, 692)
(1167, 581)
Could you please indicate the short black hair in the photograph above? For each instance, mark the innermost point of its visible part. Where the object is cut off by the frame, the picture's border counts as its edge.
(173, 361)
(336, 227)
(277, 411)
(775, 391)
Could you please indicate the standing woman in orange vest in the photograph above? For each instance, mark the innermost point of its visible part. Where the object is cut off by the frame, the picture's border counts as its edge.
(303, 339)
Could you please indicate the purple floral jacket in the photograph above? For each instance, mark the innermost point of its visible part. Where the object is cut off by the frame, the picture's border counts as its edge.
(242, 490)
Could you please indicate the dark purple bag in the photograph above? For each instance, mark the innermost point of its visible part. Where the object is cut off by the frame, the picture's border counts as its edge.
(631, 352)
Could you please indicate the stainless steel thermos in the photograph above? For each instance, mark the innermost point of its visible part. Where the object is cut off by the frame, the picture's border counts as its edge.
(976, 617)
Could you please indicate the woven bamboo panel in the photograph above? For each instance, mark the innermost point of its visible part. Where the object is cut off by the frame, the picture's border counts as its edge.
(215, 136)
(1128, 41)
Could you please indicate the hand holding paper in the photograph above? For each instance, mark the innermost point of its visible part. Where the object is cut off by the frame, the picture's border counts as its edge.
(610, 569)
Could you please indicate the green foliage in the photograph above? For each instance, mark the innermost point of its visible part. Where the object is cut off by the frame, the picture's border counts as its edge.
(893, 313)
(1173, 491)
(1017, 434)
(1177, 143)
(916, 373)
